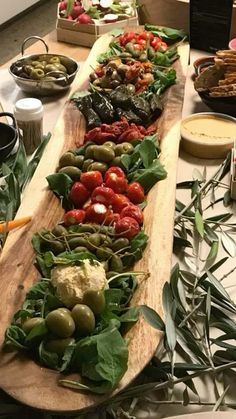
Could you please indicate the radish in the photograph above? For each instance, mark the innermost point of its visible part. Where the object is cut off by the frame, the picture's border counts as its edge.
(84, 18)
(106, 4)
(76, 11)
(110, 18)
(62, 6)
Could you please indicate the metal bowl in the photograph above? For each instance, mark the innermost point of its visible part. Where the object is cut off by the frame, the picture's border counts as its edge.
(43, 87)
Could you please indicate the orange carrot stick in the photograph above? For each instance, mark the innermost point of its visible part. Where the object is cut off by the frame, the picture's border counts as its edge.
(10, 225)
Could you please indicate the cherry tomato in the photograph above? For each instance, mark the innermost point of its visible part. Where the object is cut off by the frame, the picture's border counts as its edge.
(127, 227)
(79, 194)
(132, 211)
(163, 46)
(102, 195)
(91, 179)
(114, 169)
(75, 216)
(96, 213)
(156, 43)
(135, 193)
(146, 35)
(142, 42)
(111, 218)
(138, 47)
(117, 183)
(119, 202)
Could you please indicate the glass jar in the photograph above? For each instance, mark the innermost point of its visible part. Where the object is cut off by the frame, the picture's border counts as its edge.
(29, 115)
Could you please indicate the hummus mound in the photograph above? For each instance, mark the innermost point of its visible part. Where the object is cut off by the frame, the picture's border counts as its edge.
(71, 282)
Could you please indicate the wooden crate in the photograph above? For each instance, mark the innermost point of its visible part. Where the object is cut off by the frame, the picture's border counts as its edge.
(86, 35)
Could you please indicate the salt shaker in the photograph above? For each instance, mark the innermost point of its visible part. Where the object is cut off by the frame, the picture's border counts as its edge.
(29, 115)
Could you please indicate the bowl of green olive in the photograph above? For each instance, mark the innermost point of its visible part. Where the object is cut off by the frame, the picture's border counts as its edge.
(43, 74)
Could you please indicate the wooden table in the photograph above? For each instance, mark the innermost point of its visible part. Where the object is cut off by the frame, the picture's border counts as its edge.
(186, 162)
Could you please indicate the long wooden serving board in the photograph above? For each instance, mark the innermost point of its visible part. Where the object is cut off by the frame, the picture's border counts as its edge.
(22, 378)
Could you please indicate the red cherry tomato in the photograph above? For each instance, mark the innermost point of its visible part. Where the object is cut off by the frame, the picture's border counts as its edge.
(127, 227)
(96, 213)
(156, 43)
(119, 202)
(111, 218)
(102, 195)
(135, 193)
(79, 194)
(118, 184)
(91, 179)
(114, 169)
(142, 42)
(132, 211)
(75, 216)
(146, 35)
(163, 46)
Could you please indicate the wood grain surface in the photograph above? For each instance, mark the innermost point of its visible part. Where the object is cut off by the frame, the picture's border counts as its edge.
(22, 378)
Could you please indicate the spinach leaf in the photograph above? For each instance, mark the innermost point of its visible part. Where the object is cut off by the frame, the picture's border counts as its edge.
(102, 358)
(168, 35)
(60, 184)
(130, 316)
(67, 258)
(162, 80)
(149, 176)
(16, 336)
(36, 335)
(49, 359)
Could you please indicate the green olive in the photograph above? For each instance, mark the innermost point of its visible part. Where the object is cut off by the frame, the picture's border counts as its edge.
(88, 228)
(60, 67)
(93, 241)
(56, 247)
(72, 171)
(29, 324)
(117, 162)
(86, 164)
(59, 231)
(106, 240)
(110, 144)
(104, 154)
(50, 67)
(39, 65)
(43, 57)
(80, 249)
(37, 74)
(116, 264)
(54, 60)
(60, 323)
(83, 318)
(28, 68)
(143, 57)
(58, 346)
(67, 159)
(119, 244)
(105, 264)
(77, 241)
(103, 253)
(95, 299)
(101, 167)
(43, 62)
(65, 310)
(79, 160)
(89, 152)
(110, 274)
(34, 63)
(123, 148)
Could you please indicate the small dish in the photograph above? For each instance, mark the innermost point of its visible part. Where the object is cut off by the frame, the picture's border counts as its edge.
(208, 135)
(232, 44)
(8, 136)
(202, 63)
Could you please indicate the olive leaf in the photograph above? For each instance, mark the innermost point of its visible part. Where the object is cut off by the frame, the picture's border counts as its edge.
(228, 244)
(199, 224)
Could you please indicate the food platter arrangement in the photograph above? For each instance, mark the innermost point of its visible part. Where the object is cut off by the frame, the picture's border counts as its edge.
(89, 269)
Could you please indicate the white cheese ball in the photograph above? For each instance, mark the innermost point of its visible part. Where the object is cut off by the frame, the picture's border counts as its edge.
(71, 282)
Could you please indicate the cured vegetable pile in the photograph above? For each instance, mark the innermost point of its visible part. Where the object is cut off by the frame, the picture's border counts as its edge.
(74, 319)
